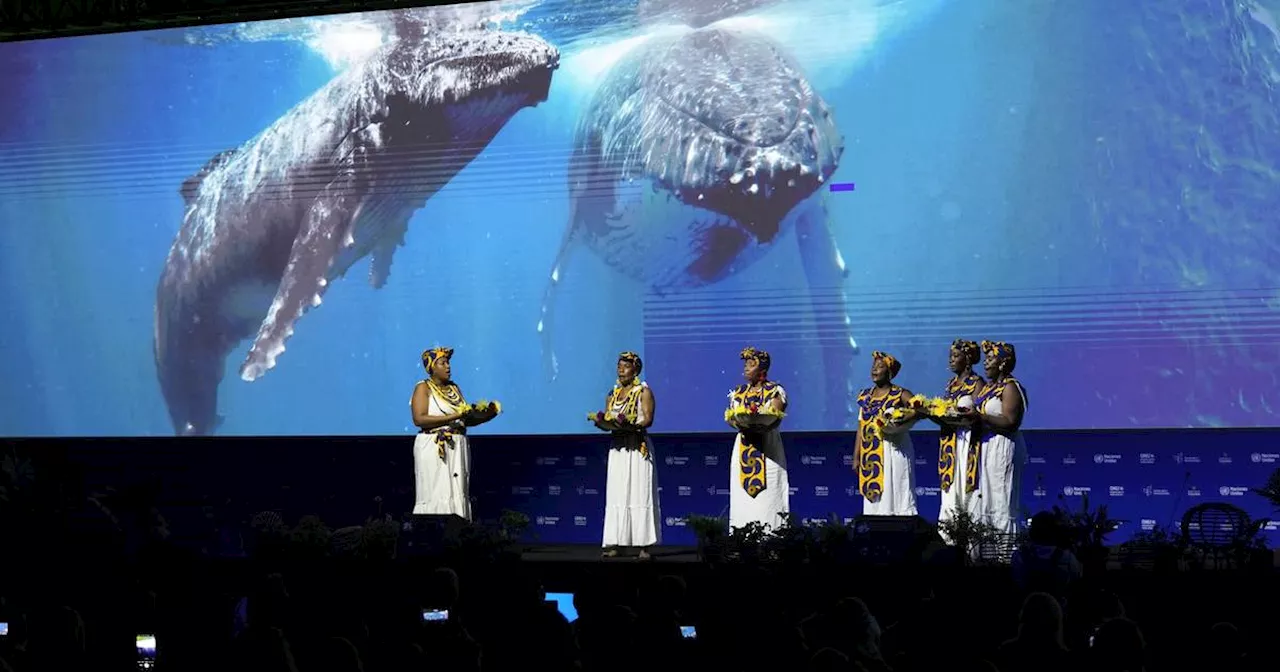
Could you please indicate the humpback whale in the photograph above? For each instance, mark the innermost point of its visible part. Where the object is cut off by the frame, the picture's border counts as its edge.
(697, 153)
(270, 224)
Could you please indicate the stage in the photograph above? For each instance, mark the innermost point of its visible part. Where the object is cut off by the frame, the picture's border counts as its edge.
(579, 553)
(1146, 478)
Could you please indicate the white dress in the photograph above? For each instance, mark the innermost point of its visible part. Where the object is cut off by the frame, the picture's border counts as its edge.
(961, 491)
(757, 455)
(632, 512)
(1003, 458)
(887, 477)
(442, 464)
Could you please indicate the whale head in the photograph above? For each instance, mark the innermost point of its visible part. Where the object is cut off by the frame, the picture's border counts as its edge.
(743, 133)
(724, 136)
(478, 78)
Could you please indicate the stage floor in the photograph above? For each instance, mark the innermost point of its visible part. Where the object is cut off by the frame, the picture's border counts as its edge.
(587, 553)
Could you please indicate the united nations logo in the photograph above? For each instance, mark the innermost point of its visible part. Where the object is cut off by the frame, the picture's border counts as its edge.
(1256, 458)
(1068, 491)
(1097, 458)
(670, 460)
(1225, 491)
(1148, 491)
(919, 491)
(804, 459)
(539, 520)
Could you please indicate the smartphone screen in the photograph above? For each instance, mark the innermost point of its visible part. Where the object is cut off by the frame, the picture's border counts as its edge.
(146, 644)
(4, 629)
(564, 604)
(688, 632)
(435, 615)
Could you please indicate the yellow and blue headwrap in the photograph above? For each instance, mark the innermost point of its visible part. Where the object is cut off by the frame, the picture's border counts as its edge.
(890, 361)
(432, 355)
(761, 357)
(999, 350)
(967, 349)
(633, 359)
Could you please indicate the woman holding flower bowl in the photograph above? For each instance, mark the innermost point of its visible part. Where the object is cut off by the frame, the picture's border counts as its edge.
(883, 456)
(758, 484)
(632, 515)
(441, 454)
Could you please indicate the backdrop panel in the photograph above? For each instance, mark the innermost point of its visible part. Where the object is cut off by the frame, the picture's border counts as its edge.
(916, 171)
(1146, 479)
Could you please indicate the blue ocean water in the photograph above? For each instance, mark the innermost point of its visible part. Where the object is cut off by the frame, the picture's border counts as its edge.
(1093, 181)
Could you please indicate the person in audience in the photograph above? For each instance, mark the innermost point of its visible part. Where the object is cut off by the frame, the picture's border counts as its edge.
(1001, 405)
(441, 454)
(1118, 646)
(632, 515)
(758, 484)
(1039, 646)
(958, 461)
(1045, 563)
(883, 456)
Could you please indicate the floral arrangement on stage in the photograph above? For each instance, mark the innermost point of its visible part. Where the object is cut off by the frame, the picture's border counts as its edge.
(483, 410)
(753, 415)
(934, 407)
(610, 421)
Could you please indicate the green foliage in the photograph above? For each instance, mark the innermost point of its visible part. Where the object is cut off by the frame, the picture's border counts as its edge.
(1087, 529)
(1271, 489)
(968, 534)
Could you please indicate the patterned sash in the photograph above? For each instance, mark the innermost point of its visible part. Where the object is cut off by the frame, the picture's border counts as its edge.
(870, 424)
(957, 388)
(451, 401)
(751, 460)
(625, 403)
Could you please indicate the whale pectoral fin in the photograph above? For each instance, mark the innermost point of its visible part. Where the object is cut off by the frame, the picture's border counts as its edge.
(825, 272)
(546, 318)
(382, 255)
(326, 231)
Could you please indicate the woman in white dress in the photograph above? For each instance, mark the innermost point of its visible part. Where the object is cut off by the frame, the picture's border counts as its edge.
(883, 455)
(441, 454)
(1001, 405)
(632, 514)
(958, 457)
(759, 491)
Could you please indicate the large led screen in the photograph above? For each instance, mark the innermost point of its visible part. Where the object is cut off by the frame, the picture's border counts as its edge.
(258, 228)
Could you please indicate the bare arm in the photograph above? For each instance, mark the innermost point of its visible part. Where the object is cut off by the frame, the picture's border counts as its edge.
(1010, 418)
(647, 405)
(912, 414)
(422, 410)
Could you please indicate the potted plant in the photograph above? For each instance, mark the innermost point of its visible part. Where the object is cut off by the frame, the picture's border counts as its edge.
(711, 533)
(967, 535)
(748, 543)
(512, 525)
(1160, 549)
(1250, 548)
(1271, 490)
(1088, 530)
(790, 543)
(832, 542)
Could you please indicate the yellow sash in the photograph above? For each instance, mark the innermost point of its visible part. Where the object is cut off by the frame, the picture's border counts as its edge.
(451, 401)
(957, 388)
(870, 424)
(751, 461)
